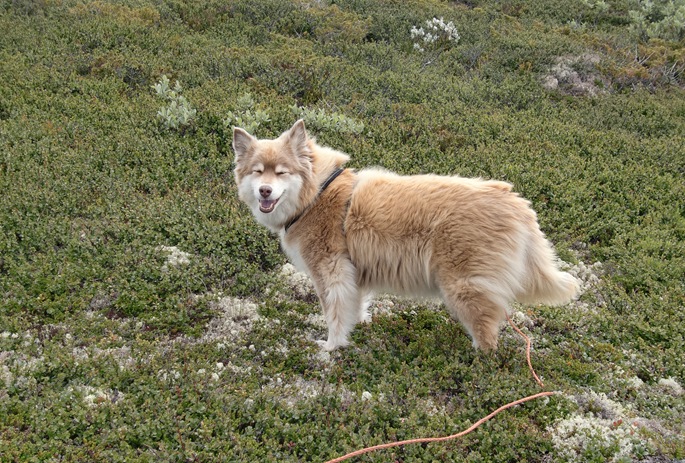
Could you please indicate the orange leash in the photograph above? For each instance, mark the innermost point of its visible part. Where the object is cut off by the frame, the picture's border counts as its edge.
(466, 431)
(439, 439)
(530, 365)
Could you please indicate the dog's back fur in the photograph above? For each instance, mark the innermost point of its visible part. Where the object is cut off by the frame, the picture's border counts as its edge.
(473, 242)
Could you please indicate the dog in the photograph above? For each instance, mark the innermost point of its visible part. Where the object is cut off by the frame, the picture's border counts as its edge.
(473, 242)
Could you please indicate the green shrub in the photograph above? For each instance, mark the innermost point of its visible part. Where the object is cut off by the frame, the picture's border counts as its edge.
(246, 116)
(664, 19)
(178, 114)
(321, 120)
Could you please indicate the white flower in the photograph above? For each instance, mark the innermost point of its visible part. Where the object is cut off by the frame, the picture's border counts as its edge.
(416, 32)
(437, 30)
(430, 38)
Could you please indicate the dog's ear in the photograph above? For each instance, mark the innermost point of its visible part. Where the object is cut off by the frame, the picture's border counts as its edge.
(242, 141)
(298, 138)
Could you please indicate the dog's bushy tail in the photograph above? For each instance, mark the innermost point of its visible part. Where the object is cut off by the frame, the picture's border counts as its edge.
(546, 284)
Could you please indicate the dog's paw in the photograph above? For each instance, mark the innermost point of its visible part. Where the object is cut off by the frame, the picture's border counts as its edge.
(364, 312)
(324, 345)
(365, 317)
(329, 346)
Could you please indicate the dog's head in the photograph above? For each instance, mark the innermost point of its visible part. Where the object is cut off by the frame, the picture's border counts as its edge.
(270, 173)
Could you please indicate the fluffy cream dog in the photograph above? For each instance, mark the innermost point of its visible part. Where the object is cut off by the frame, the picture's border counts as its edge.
(473, 242)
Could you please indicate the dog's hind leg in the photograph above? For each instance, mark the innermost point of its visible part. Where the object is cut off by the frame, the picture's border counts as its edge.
(479, 310)
(340, 298)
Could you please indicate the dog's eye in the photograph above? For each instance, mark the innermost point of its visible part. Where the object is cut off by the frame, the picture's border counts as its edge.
(257, 171)
(282, 173)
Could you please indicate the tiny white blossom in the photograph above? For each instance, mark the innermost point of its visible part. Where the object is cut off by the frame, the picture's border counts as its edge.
(430, 38)
(416, 32)
(437, 30)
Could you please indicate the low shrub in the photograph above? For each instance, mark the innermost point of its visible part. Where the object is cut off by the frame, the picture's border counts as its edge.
(178, 114)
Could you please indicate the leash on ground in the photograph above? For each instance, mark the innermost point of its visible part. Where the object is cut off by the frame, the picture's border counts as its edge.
(472, 427)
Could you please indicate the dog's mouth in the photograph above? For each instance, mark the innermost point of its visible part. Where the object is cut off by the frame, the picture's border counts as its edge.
(267, 205)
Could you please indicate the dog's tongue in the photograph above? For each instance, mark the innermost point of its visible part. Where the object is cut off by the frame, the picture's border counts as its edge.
(267, 205)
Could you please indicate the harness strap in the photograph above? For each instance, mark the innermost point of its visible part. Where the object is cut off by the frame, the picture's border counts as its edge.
(323, 186)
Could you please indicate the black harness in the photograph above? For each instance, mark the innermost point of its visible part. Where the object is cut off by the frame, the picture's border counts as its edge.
(323, 186)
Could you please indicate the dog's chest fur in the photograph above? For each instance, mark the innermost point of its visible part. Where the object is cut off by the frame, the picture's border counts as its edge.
(318, 234)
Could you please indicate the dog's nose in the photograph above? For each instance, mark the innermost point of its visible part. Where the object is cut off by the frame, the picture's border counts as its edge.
(265, 191)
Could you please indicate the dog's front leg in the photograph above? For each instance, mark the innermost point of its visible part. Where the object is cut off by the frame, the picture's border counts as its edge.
(340, 297)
